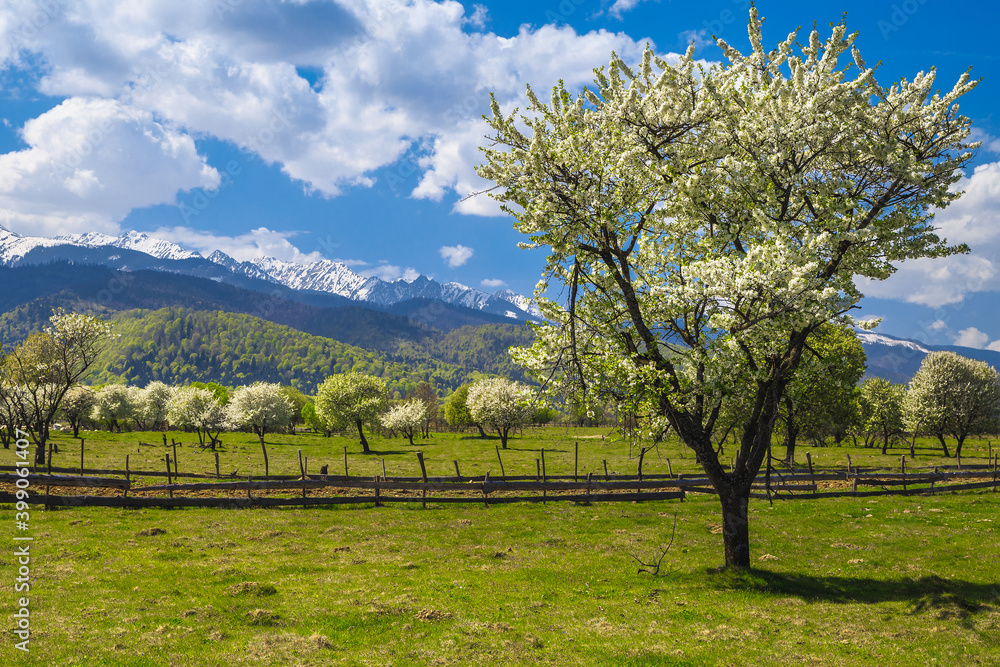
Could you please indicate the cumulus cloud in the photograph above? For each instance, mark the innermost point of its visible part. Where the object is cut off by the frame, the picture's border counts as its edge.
(938, 325)
(260, 242)
(974, 220)
(391, 272)
(972, 337)
(72, 176)
(392, 74)
(455, 255)
(492, 282)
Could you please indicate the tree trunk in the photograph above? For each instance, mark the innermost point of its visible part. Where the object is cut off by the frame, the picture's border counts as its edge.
(944, 445)
(364, 443)
(958, 447)
(482, 433)
(736, 529)
(503, 436)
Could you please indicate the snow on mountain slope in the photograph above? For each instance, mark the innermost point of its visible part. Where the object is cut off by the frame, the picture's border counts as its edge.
(132, 240)
(869, 338)
(322, 276)
(13, 247)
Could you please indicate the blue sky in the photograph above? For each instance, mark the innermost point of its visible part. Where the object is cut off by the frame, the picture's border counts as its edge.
(349, 130)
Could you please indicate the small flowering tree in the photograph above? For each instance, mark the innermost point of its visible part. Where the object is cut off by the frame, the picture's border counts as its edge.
(261, 408)
(115, 405)
(42, 369)
(77, 405)
(351, 399)
(406, 417)
(952, 395)
(499, 403)
(706, 219)
(154, 403)
(196, 408)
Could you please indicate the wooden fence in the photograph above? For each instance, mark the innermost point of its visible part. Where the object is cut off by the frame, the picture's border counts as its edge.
(383, 489)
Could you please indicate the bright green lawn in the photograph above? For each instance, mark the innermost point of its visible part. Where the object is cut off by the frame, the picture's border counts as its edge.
(866, 581)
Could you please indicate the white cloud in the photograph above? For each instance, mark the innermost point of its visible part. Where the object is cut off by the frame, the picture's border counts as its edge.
(622, 6)
(260, 242)
(492, 282)
(455, 255)
(974, 220)
(938, 325)
(72, 177)
(701, 38)
(391, 272)
(972, 337)
(394, 74)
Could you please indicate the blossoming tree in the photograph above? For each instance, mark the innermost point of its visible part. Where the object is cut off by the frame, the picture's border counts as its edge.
(499, 403)
(351, 399)
(952, 395)
(406, 417)
(706, 220)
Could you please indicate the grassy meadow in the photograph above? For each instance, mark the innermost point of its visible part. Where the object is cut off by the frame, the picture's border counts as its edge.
(909, 580)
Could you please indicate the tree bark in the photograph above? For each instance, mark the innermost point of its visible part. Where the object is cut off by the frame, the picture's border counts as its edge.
(944, 445)
(364, 442)
(482, 433)
(503, 436)
(736, 529)
(958, 447)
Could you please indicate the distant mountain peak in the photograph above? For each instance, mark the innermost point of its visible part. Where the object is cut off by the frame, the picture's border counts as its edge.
(325, 275)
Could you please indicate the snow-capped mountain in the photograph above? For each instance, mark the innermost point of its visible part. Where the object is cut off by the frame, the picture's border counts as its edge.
(145, 252)
(132, 240)
(14, 247)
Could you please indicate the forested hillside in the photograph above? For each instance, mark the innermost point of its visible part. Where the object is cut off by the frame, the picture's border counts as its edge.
(177, 346)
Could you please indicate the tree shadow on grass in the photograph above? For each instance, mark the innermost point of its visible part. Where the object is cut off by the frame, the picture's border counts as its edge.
(946, 598)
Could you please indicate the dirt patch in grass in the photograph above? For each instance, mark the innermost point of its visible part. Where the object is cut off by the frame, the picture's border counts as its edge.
(251, 588)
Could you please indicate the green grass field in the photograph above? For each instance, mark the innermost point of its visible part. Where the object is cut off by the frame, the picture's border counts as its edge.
(853, 581)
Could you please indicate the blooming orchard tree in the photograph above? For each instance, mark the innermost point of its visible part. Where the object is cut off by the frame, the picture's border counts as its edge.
(406, 417)
(115, 405)
(881, 407)
(261, 408)
(952, 395)
(707, 219)
(193, 407)
(351, 399)
(154, 403)
(77, 405)
(499, 403)
(43, 368)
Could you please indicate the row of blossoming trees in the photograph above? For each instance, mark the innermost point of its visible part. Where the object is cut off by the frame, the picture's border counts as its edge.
(40, 383)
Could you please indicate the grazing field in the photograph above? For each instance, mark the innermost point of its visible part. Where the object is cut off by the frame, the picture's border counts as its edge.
(888, 581)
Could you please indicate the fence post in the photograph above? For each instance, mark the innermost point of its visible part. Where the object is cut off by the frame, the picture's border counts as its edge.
(216, 465)
(606, 478)
(809, 461)
(502, 473)
(423, 474)
(642, 453)
(670, 471)
(543, 475)
(81, 457)
(576, 461)
(176, 475)
(486, 497)
(265, 459)
(458, 475)
(128, 477)
(169, 482)
(848, 464)
(588, 487)
(302, 470)
(902, 469)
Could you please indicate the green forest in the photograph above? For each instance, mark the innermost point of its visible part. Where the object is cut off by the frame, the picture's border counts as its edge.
(178, 346)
